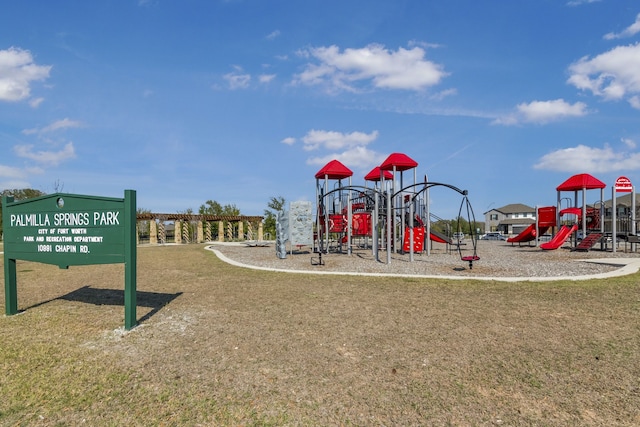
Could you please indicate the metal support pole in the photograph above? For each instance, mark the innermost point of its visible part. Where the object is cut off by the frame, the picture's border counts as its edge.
(374, 226)
(390, 218)
(411, 219)
(614, 208)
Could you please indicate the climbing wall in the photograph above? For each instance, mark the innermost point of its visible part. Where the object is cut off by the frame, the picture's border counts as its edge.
(282, 234)
(301, 223)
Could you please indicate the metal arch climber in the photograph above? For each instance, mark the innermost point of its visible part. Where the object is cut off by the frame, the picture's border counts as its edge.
(327, 222)
(471, 218)
(380, 204)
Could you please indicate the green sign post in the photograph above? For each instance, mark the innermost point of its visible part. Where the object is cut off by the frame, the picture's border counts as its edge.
(71, 229)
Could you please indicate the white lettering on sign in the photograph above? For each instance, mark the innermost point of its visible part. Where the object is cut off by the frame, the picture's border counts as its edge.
(71, 218)
(58, 239)
(623, 185)
(64, 219)
(106, 218)
(29, 220)
(65, 232)
(87, 239)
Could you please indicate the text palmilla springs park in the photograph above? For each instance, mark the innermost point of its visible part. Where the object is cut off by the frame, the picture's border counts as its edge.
(64, 232)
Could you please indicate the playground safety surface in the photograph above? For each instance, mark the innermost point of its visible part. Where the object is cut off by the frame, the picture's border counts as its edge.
(498, 261)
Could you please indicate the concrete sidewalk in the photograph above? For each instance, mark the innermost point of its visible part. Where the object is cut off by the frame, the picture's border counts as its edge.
(626, 266)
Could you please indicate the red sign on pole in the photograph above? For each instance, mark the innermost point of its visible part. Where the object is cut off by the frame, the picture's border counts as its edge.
(623, 185)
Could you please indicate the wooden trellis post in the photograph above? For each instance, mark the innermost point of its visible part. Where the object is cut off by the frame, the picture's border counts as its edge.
(207, 231)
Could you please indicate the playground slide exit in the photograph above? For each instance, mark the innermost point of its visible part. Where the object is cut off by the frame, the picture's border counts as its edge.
(559, 239)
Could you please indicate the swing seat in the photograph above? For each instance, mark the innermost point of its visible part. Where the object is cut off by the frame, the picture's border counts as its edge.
(471, 258)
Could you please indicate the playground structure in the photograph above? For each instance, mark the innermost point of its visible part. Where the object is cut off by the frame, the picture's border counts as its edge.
(545, 219)
(386, 216)
(589, 220)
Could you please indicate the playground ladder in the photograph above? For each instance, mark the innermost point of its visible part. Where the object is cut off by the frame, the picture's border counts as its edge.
(588, 242)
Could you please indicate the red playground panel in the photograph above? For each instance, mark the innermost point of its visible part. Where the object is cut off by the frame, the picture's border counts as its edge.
(547, 216)
(361, 224)
(337, 223)
(418, 239)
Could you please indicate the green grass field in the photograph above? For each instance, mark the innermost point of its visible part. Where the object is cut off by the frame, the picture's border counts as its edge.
(220, 345)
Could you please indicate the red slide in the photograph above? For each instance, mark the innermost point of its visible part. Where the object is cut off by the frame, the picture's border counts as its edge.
(528, 234)
(439, 237)
(559, 239)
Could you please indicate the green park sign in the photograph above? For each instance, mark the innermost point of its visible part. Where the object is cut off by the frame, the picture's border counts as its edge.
(70, 229)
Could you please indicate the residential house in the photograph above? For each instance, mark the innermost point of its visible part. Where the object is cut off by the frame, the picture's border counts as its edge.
(510, 219)
(623, 214)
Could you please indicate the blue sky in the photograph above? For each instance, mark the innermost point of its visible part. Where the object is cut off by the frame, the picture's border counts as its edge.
(241, 100)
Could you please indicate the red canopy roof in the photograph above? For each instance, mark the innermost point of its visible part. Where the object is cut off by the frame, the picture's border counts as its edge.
(401, 162)
(374, 175)
(334, 170)
(581, 181)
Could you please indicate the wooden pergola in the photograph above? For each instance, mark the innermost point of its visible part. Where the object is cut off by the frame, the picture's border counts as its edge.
(204, 226)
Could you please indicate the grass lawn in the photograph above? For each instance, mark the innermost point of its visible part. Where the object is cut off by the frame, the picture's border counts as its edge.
(221, 345)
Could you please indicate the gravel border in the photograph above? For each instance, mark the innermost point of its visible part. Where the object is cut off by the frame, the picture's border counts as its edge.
(498, 260)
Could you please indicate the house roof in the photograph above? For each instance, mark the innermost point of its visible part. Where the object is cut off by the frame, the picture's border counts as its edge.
(514, 208)
(517, 221)
(624, 199)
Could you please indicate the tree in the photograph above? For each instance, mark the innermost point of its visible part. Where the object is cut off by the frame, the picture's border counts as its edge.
(19, 194)
(275, 205)
(25, 193)
(211, 207)
(144, 226)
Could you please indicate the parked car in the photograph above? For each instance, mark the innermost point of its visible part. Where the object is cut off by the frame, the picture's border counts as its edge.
(494, 236)
(458, 236)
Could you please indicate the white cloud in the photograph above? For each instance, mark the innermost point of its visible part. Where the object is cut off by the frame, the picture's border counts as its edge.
(332, 140)
(35, 102)
(14, 183)
(631, 30)
(402, 69)
(634, 101)
(589, 159)
(55, 126)
(17, 72)
(48, 158)
(611, 75)
(579, 2)
(443, 94)
(349, 148)
(543, 112)
(354, 158)
(11, 172)
(237, 79)
(273, 35)
(12, 177)
(266, 78)
(630, 143)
